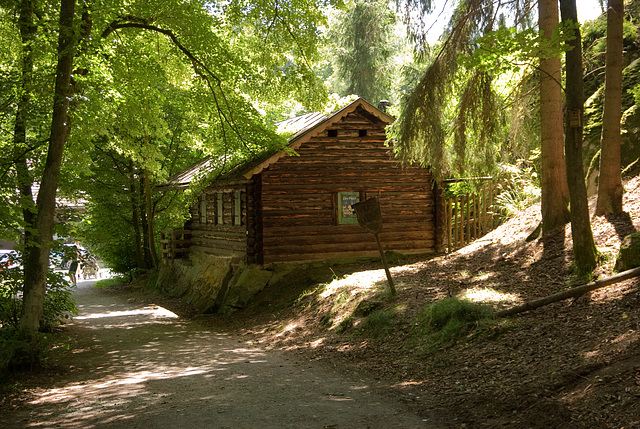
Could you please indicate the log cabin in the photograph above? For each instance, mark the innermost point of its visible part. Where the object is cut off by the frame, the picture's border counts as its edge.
(296, 207)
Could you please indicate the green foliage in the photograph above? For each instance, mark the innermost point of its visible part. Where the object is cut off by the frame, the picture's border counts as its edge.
(379, 323)
(59, 304)
(442, 323)
(362, 46)
(111, 282)
(344, 325)
(519, 187)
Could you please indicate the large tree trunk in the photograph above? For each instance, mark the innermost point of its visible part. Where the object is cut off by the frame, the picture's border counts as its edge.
(25, 181)
(555, 192)
(584, 248)
(610, 182)
(37, 256)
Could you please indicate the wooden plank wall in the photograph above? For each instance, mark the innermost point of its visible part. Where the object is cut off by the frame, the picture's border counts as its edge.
(226, 239)
(299, 193)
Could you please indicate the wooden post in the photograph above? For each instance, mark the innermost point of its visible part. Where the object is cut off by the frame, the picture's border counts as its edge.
(370, 218)
(468, 224)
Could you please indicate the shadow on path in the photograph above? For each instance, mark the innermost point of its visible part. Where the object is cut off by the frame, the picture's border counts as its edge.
(139, 366)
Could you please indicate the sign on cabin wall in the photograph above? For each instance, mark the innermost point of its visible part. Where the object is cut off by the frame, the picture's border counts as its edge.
(346, 213)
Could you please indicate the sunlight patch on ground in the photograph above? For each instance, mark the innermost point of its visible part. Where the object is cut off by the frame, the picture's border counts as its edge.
(138, 378)
(316, 343)
(489, 295)
(364, 280)
(406, 269)
(153, 311)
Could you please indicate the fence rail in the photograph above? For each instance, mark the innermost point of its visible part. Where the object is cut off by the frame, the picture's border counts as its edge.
(175, 243)
(470, 216)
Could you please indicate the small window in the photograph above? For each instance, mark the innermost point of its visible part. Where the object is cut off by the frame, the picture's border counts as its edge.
(332, 133)
(362, 133)
(203, 209)
(346, 213)
(237, 208)
(219, 208)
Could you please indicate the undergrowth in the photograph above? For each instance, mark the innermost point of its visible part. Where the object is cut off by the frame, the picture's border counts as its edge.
(111, 282)
(441, 324)
(379, 323)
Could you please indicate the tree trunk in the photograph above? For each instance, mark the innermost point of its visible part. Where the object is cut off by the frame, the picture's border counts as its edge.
(148, 262)
(610, 182)
(25, 181)
(555, 192)
(149, 209)
(584, 248)
(135, 217)
(37, 257)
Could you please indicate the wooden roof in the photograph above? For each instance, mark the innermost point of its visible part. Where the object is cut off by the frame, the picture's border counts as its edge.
(303, 128)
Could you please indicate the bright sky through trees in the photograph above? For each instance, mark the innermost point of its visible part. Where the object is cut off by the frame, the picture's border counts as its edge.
(587, 10)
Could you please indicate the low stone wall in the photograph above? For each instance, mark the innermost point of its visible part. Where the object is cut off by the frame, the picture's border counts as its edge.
(211, 283)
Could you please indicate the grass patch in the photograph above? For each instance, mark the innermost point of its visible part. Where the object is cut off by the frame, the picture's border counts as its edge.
(442, 323)
(111, 282)
(379, 323)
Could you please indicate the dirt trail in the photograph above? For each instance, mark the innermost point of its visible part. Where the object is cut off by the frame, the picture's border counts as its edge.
(140, 366)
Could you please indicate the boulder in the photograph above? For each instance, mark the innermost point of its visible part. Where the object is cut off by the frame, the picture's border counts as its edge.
(244, 285)
(629, 254)
(197, 279)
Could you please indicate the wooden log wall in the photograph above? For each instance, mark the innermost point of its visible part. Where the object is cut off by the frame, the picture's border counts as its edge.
(208, 235)
(298, 204)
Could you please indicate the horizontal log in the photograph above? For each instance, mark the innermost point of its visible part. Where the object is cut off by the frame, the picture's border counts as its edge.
(269, 222)
(338, 230)
(327, 169)
(367, 238)
(339, 187)
(570, 293)
(218, 252)
(220, 244)
(295, 251)
(271, 259)
(198, 228)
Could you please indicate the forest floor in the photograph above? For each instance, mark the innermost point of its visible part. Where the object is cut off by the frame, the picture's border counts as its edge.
(571, 364)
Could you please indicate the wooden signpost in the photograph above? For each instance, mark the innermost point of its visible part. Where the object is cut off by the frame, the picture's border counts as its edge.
(370, 218)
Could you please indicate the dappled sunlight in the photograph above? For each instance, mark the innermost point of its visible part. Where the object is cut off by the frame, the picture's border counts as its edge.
(356, 282)
(153, 311)
(315, 343)
(109, 383)
(618, 344)
(406, 269)
(489, 295)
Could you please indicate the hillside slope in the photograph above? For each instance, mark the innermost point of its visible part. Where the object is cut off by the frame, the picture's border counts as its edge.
(574, 363)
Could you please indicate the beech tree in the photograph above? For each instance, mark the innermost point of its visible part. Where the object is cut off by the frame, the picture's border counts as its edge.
(238, 51)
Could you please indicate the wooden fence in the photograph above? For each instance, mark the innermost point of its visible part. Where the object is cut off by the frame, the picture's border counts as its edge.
(470, 216)
(175, 243)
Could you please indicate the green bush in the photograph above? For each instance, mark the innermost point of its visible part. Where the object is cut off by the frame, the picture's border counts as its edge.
(442, 323)
(58, 302)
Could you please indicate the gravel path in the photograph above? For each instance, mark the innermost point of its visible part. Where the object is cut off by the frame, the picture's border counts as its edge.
(140, 366)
